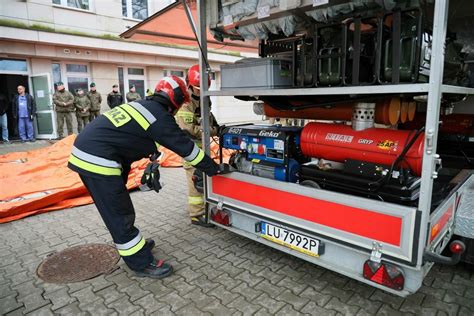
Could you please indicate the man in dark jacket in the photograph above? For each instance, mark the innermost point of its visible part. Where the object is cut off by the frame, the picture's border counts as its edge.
(24, 109)
(114, 98)
(3, 117)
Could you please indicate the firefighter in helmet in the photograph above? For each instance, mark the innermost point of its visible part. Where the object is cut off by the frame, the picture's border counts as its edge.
(103, 153)
(189, 119)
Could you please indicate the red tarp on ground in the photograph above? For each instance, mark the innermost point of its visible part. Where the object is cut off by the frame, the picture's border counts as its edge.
(39, 181)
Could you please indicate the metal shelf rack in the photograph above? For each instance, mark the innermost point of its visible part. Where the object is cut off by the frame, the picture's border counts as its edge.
(418, 88)
(434, 90)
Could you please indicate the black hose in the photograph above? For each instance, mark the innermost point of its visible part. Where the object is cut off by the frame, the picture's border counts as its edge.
(382, 181)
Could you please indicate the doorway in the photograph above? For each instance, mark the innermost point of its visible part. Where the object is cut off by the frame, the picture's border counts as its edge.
(132, 77)
(8, 85)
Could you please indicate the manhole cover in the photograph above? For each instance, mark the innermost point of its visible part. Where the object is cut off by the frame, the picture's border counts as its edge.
(78, 263)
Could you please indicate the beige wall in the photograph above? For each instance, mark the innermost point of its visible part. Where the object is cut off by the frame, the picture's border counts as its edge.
(104, 76)
(40, 66)
(154, 74)
(105, 16)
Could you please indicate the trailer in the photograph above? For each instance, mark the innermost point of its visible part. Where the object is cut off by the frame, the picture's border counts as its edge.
(380, 205)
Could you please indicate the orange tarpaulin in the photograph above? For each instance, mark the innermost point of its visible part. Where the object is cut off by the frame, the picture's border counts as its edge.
(39, 181)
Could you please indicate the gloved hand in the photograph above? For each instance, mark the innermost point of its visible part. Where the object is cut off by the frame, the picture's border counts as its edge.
(151, 176)
(224, 168)
(198, 180)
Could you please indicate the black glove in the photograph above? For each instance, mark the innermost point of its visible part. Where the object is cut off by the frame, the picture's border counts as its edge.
(151, 176)
(198, 180)
(224, 168)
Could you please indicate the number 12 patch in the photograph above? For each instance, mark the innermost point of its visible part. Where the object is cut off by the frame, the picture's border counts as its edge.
(118, 116)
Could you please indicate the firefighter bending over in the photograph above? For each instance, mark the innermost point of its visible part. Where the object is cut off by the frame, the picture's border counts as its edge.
(103, 153)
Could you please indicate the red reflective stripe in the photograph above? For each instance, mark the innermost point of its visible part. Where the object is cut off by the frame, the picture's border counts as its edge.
(441, 223)
(370, 224)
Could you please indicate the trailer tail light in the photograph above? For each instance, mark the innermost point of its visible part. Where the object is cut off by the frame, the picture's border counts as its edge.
(457, 247)
(385, 274)
(220, 216)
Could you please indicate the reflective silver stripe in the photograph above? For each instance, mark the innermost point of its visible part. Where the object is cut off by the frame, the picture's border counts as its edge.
(143, 111)
(171, 81)
(193, 154)
(131, 243)
(94, 159)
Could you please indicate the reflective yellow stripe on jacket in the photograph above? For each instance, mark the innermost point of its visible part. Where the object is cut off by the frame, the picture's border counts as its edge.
(94, 164)
(195, 157)
(118, 116)
(137, 111)
(188, 117)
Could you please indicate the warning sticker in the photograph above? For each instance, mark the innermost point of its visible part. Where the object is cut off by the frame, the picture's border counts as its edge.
(386, 144)
(339, 138)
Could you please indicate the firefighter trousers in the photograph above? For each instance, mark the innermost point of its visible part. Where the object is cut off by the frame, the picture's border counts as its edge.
(113, 201)
(195, 199)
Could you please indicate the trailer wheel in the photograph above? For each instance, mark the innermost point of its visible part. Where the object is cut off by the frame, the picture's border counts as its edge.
(311, 184)
(468, 255)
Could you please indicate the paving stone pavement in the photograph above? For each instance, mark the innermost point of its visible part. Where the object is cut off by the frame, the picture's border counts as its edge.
(216, 272)
(16, 145)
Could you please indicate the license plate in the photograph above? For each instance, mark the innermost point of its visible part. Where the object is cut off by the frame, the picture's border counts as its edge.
(291, 239)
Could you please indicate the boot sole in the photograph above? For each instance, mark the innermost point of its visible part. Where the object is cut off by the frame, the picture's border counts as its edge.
(161, 276)
(203, 224)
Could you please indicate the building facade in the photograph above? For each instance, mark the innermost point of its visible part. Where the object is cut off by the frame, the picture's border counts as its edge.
(77, 42)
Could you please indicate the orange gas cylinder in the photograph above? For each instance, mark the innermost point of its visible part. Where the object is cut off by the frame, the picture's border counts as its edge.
(387, 112)
(376, 145)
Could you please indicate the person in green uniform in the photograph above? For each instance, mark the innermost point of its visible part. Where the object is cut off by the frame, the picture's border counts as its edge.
(82, 105)
(132, 95)
(64, 106)
(96, 100)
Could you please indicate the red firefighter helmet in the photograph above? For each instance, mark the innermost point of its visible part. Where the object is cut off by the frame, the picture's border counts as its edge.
(174, 89)
(193, 77)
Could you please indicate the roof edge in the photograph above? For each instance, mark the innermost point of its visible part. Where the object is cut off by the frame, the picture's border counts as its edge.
(158, 13)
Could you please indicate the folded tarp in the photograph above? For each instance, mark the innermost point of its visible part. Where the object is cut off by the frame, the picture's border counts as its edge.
(39, 181)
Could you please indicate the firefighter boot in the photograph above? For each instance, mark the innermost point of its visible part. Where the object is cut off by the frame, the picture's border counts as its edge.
(150, 243)
(157, 269)
(201, 220)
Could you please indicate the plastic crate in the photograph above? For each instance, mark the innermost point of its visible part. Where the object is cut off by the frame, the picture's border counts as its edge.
(257, 73)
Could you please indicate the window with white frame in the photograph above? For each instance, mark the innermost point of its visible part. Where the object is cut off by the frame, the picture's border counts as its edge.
(14, 65)
(78, 4)
(77, 77)
(132, 76)
(174, 72)
(73, 75)
(182, 74)
(57, 75)
(135, 9)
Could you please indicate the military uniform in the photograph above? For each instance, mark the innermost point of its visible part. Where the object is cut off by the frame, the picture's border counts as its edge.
(64, 105)
(103, 153)
(96, 101)
(189, 119)
(83, 105)
(114, 99)
(133, 96)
